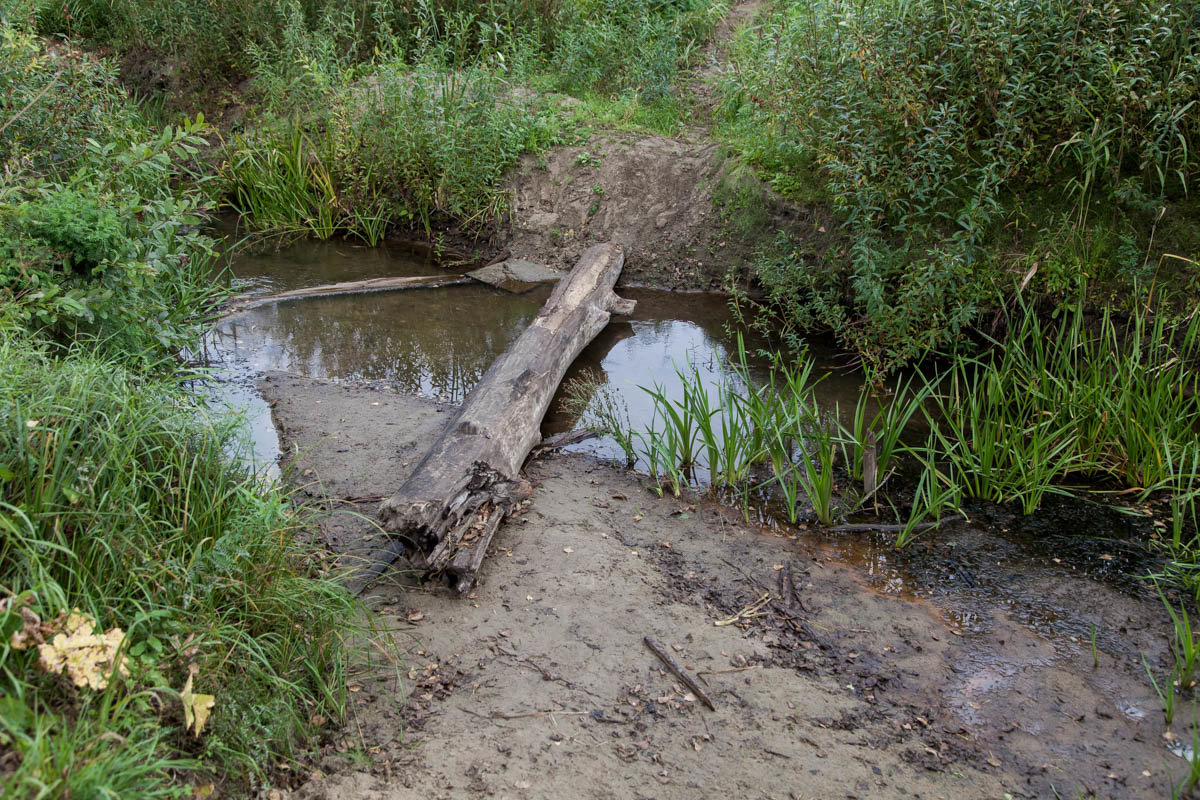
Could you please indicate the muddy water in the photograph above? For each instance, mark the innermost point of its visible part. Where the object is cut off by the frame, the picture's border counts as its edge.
(439, 342)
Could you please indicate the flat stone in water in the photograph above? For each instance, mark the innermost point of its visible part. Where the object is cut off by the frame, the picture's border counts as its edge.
(516, 275)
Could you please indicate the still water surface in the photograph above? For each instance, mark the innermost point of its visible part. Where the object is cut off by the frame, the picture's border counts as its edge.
(439, 342)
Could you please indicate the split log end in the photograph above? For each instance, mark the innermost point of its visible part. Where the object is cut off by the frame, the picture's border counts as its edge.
(620, 305)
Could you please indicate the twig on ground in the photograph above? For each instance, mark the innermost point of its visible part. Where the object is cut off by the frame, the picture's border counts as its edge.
(731, 669)
(678, 670)
(523, 715)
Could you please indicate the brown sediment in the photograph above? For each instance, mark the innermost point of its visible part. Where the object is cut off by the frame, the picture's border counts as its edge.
(537, 685)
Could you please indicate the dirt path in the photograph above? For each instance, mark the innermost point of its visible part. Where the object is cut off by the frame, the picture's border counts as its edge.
(686, 213)
(538, 684)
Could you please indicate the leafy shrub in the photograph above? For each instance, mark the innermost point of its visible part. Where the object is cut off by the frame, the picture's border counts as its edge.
(51, 104)
(95, 239)
(414, 144)
(943, 130)
(117, 497)
(629, 45)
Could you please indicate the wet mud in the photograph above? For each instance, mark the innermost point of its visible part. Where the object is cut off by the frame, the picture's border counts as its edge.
(961, 668)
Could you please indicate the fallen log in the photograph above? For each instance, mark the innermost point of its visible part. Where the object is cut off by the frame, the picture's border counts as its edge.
(247, 302)
(449, 509)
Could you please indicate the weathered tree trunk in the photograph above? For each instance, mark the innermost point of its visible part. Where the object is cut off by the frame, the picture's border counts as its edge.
(239, 304)
(451, 506)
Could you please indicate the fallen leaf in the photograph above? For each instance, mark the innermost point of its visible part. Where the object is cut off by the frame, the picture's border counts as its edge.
(415, 616)
(76, 648)
(196, 707)
(1106, 557)
(638, 517)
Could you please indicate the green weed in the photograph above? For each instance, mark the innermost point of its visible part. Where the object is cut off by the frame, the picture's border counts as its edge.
(935, 494)
(120, 502)
(1165, 692)
(601, 410)
(947, 136)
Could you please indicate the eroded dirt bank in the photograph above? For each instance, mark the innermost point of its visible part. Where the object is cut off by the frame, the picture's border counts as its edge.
(538, 684)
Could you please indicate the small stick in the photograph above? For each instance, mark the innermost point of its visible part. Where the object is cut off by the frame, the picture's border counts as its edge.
(678, 670)
(502, 715)
(731, 669)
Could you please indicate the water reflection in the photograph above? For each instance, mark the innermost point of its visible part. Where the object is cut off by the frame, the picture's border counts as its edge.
(439, 342)
(431, 342)
(263, 269)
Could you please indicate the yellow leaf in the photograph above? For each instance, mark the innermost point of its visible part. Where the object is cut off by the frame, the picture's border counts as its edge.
(196, 707)
(87, 657)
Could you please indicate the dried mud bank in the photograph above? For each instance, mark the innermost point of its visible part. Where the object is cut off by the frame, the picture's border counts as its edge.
(538, 684)
(667, 202)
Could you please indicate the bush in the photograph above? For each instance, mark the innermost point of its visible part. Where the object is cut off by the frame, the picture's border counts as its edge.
(614, 46)
(133, 554)
(413, 145)
(944, 131)
(51, 104)
(95, 237)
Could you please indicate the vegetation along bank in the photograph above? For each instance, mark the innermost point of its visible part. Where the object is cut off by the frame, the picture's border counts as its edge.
(989, 206)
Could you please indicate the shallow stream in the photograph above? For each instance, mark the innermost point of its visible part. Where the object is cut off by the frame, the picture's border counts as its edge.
(439, 342)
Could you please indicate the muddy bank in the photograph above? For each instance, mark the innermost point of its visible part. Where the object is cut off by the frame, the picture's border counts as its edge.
(686, 215)
(538, 684)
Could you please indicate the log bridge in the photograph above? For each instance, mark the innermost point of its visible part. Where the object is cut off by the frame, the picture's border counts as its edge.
(446, 513)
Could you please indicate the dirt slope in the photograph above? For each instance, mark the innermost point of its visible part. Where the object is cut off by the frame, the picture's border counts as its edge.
(650, 195)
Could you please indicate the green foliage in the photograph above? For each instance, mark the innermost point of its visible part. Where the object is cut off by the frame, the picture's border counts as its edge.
(95, 239)
(116, 492)
(119, 500)
(420, 143)
(73, 232)
(943, 130)
(84, 259)
(612, 46)
(379, 113)
(1078, 398)
(51, 106)
(1038, 412)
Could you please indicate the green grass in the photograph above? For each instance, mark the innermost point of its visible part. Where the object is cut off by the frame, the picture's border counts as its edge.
(120, 501)
(1087, 405)
(1076, 398)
